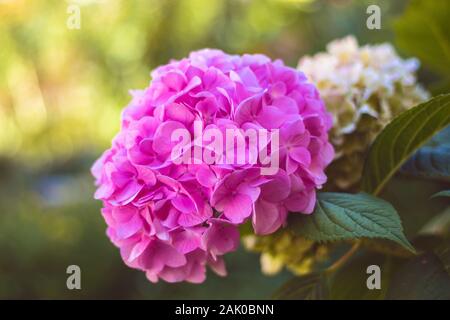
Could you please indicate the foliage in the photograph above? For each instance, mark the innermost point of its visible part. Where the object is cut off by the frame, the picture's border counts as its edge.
(404, 135)
(445, 193)
(310, 287)
(421, 278)
(341, 216)
(432, 160)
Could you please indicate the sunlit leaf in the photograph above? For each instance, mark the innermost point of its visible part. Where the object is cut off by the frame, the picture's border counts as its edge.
(401, 138)
(342, 216)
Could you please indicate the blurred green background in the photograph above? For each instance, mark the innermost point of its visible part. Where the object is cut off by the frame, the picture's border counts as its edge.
(61, 94)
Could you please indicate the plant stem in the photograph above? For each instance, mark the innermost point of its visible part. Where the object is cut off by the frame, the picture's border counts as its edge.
(342, 260)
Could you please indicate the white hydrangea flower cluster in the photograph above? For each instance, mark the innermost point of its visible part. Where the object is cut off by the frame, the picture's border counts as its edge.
(364, 88)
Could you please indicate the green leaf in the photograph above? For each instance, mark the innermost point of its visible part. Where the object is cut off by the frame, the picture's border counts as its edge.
(429, 162)
(404, 135)
(309, 287)
(432, 160)
(439, 225)
(350, 281)
(445, 193)
(386, 247)
(423, 31)
(422, 278)
(410, 196)
(342, 216)
(427, 242)
(443, 253)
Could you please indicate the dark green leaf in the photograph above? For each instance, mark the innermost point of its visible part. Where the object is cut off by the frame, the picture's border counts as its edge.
(432, 160)
(421, 278)
(445, 193)
(386, 247)
(410, 196)
(443, 253)
(342, 216)
(427, 242)
(350, 282)
(403, 136)
(309, 287)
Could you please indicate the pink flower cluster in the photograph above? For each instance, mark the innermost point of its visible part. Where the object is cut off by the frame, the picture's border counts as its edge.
(172, 220)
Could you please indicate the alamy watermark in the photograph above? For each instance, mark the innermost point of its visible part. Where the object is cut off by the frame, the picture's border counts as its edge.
(74, 16)
(374, 20)
(374, 280)
(73, 281)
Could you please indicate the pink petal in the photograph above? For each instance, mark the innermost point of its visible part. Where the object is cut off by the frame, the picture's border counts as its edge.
(291, 165)
(291, 130)
(267, 217)
(107, 215)
(186, 241)
(128, 193)
(276, 189)
(184, 203)
(174, 80)
(301, 155)
(127, 229)
(301, 202)
(236, 207)
(206, 177)
(158, 230)
(152, 276)
(248, 78)
(278, 89)
(179, 112)
(172, 275)
(159, 254)
(220, 238)
(248, 109)
(197, 273)
(286, 105)
(138, 249)
(104, 191)
(218, 266)
(248, 190)
(146, 174)
(162, 142)
(189, 219)
(271, 117)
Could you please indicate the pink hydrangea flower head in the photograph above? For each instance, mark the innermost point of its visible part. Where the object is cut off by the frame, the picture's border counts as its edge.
(172, 219)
